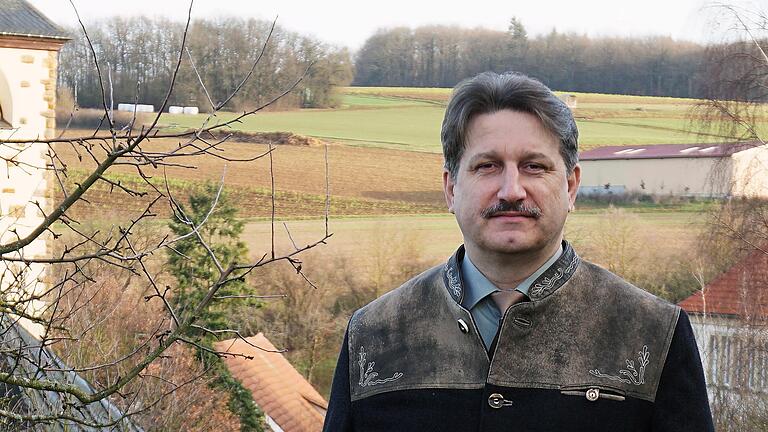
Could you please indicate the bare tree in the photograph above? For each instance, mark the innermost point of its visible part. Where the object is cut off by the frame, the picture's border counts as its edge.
(737, 343)
(83, 258)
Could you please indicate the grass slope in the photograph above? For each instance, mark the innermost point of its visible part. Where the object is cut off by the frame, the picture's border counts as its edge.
(410, 118)
(437, 236)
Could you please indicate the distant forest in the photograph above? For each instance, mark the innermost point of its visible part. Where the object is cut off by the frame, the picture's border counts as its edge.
(140, 53)
(440, 56)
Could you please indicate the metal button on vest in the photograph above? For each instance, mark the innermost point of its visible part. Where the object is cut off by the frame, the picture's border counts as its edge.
(593, 394)
(463, 326)
(496, 400)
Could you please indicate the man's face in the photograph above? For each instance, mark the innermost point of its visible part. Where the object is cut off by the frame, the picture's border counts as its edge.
(511, 193)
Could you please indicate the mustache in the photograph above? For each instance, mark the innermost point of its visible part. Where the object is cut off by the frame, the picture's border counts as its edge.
(516, 206)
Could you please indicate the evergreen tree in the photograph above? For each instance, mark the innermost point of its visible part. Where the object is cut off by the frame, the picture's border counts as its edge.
(195, 270)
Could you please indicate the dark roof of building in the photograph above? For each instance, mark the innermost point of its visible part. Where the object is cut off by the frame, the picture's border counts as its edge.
(664, 151)
(741, 291)
(19, 18)
(35, 361)
(278, 388)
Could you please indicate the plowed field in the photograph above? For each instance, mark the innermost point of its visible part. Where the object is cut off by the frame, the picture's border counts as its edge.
(362, 181)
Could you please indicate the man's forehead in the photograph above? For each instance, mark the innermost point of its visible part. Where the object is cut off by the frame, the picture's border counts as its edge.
(521, 121)
(511, 129)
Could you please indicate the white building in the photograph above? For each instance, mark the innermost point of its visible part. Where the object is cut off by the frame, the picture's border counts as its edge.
(730, 320)
(707, 170)
(29, 46)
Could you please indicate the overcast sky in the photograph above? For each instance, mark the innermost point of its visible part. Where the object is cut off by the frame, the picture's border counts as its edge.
(349, 22)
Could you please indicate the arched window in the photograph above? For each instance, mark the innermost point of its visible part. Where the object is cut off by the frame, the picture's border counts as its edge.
(4, 124)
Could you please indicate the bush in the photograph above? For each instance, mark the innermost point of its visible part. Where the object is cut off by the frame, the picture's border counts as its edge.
(111, 315)
(310, 322)
(636, 198)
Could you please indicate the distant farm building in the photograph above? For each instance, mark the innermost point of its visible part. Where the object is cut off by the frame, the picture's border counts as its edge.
(289, 402)
(730, 320)
(29, 46)
(705, 170)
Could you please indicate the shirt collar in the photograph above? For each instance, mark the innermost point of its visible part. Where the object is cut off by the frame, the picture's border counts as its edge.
(477, 286)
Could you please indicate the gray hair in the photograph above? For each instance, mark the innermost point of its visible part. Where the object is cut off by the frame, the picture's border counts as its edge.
(490, 92)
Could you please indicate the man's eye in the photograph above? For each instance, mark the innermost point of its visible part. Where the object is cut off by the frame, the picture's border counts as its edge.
(534, 167)
(487, 166)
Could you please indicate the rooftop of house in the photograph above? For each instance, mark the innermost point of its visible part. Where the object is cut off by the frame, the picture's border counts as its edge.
(664, 151)
(26, 357)
(742, 291)
(279, 389)
(19, 18)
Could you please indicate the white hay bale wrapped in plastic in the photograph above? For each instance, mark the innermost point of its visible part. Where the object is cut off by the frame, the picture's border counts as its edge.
(191, 110)
(175, 109)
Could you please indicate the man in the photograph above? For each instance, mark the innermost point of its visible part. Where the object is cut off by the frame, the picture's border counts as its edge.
(515, 332)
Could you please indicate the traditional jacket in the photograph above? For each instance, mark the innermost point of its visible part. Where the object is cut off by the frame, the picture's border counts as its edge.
(588, 352)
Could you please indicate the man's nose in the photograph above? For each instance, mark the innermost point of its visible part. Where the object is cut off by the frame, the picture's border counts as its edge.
(511, 188)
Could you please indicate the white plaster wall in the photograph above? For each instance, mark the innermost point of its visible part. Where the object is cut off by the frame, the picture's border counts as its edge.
(26, 97)
(702, 176)
(24, 71)
(706, 326)
(23, 77)
(751, 172)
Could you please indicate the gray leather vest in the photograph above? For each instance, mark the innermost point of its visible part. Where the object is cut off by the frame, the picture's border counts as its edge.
(584, 328)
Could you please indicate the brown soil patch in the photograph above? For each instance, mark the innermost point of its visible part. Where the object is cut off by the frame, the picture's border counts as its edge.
(275, 138)
(362, 180)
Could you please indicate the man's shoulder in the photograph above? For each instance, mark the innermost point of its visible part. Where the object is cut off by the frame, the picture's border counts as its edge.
(612, 288)
(412, 291)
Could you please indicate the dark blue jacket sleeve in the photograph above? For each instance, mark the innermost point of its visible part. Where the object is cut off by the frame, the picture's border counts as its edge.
(339, 415)
(681, 399)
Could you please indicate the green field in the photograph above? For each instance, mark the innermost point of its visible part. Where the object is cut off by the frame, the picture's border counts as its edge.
(409, 119)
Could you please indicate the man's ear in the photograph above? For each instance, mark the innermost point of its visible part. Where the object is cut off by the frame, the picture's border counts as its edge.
(448, 185)
(574, 180)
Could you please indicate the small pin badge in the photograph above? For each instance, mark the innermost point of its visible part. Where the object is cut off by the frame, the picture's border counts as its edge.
(463, 326)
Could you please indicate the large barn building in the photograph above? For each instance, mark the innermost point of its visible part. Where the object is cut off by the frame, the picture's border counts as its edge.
(704, 170)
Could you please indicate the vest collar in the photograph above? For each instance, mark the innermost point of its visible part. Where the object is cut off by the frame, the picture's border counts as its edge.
(548, 282)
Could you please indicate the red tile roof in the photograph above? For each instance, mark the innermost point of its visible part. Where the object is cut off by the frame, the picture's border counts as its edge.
(277, 387)
(740, 291)
(659, 151)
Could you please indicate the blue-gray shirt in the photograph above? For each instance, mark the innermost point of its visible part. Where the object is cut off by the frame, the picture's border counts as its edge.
(477, 295)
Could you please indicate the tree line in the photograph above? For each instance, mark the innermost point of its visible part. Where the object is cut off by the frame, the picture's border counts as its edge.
(137, 57)
(441, 56)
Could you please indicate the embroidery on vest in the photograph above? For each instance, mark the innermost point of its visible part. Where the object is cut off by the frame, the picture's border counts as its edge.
(453, 281)
(368, 375)
(541, 288)
(633, 375)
